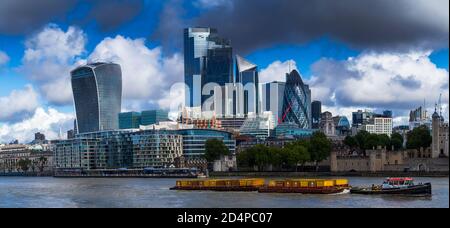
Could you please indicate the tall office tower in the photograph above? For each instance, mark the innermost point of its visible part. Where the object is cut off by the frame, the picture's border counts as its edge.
(247, 75)
(272, 99)
(361, 117)
(97, 93)
(316, 107)
(297, 101)
(207, 58)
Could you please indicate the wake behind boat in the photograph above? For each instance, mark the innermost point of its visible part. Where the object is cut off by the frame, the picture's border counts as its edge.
(395, 186)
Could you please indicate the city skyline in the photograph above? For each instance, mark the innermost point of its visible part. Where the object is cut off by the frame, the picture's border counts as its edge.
(341, 72)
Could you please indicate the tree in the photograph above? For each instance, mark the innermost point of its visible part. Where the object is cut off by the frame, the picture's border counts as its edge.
(214, 149)
(361, 139)
(319, 148)
(42, 162)
(262, 156)
(418, 138)
(24, 165)
(396, 141)
(351, 142)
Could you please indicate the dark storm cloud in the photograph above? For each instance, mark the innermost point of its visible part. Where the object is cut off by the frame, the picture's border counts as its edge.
(19, 16)
(110, 14)
(410, 82)
(23, 16)
(375, 24)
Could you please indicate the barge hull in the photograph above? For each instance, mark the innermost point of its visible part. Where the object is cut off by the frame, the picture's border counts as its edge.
(303, 190)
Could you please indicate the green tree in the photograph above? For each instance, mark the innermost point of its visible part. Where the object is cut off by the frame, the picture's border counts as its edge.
(214, 149)
(396, 141)
(262, 156)
(418, 138)
(24, 165)
(361, 139)
(319, 148)
(351, 142)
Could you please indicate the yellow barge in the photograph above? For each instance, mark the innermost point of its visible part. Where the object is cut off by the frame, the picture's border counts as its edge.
(220, 185)
(307, 186)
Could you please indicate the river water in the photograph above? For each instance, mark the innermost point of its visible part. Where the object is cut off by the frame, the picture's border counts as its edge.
(48, 192)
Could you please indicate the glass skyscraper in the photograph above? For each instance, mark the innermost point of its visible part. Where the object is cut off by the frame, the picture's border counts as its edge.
(208, 58)
(297, 101)
(97, 93)
(247, 75)
(153, 117)
(129, 120)
(316, 111)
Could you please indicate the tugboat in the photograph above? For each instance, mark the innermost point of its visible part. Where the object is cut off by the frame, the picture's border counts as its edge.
(395, 186)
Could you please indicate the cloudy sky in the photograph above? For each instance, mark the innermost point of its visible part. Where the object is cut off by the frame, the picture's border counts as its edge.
(378, 54)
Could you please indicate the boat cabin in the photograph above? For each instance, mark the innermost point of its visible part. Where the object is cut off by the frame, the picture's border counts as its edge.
(398, 182)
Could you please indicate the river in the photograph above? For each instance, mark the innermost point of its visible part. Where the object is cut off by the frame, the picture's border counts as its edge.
(48, 192)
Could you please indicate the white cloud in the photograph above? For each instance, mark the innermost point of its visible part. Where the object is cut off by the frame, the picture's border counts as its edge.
(207, 4)
(49, 57)
(147, 75)
(48, 122)
(18, 102)
(380, 81)
(4, 58)
(277, 71)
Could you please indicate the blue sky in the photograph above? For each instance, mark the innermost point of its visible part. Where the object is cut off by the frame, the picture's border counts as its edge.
(325, 56)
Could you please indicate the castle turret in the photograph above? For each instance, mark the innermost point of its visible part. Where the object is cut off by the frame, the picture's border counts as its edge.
(436, 125)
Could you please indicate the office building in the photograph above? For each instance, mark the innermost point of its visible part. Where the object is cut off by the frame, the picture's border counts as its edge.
(297, 101)
(194, 141)
(418, 117)
(129, 120)
(379, 125)
(272, 99)
(154, 117)
(247, 76)
(207, 58)
(258, 126)
(342, 125)
(316, 110)
(97, 93)
(361, 117)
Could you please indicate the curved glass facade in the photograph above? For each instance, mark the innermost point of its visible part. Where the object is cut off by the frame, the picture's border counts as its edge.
(297, 101)
(97, 92)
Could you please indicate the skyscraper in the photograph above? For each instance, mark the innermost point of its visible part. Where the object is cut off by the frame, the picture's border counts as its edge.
(207, 58)
(316, 107)
(247, 75)
(97, 93)
(272, 99)
(297, 101)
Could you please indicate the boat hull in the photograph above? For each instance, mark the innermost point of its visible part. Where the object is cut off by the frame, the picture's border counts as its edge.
(424, 189)
(302, 190)
(217, 189)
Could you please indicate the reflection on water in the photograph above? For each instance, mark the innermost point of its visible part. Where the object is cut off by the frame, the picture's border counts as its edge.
(151, 193)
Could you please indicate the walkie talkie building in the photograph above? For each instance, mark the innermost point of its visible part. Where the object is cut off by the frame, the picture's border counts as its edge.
(97, 93)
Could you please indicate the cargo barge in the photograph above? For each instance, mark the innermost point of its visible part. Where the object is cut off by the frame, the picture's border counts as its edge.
(229, 185)
(307, 186)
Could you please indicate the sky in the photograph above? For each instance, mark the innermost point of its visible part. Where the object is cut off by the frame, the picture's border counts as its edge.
(354, 54)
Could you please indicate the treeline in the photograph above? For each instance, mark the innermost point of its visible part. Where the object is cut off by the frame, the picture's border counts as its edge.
(315, 149)
(418, 138)
(367, 141)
